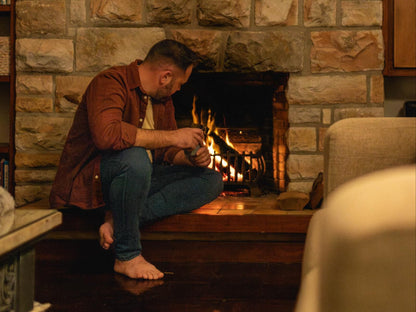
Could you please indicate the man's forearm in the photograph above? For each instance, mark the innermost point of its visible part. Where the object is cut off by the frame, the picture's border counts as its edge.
(185, 138)
(152, 139)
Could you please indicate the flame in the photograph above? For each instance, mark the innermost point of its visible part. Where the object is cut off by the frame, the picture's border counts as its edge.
(195, 119)
(217, 162)
(227, 140)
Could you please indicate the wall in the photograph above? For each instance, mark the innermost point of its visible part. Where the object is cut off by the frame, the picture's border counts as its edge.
(332, 49)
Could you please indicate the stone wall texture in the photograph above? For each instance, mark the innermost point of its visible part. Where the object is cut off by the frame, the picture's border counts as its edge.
(333, 50)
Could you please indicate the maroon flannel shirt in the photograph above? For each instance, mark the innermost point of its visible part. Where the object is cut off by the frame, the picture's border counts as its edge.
(111, 110)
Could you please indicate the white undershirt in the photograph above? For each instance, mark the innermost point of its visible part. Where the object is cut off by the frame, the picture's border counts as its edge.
(149, 122)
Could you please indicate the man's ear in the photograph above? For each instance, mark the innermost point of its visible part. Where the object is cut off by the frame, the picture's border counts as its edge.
(165, 77)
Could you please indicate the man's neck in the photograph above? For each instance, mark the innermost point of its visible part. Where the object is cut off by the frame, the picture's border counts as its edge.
(145, 78)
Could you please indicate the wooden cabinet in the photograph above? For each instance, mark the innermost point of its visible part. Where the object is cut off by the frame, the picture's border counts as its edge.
(7, 91)
(399, 31)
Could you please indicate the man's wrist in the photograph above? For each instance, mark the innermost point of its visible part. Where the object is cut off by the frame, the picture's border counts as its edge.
(152, 139)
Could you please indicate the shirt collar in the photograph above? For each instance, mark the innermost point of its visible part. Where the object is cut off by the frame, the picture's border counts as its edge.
(133, 77)
(133, 80)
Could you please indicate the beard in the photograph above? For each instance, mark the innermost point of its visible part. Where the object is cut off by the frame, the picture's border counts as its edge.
(164, 93)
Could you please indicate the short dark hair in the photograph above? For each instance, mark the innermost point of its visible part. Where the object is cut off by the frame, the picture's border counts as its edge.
(173, 52)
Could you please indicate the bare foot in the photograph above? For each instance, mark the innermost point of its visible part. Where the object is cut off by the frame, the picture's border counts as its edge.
(137, 267)
(106, 231)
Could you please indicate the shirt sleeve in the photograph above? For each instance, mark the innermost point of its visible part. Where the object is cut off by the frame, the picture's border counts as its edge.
(165, 120)
(106, 99)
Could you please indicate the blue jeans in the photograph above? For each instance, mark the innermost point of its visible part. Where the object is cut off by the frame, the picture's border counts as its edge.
(138, 192)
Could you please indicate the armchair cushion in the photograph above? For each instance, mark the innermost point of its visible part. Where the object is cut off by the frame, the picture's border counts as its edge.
(357, 146)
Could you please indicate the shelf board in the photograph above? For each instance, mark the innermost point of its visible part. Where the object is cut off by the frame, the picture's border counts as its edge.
(4, 78)
(4, 148)
(5, 8)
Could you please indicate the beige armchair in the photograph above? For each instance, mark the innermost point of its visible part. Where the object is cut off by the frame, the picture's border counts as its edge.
(356, 146)
(360, 247)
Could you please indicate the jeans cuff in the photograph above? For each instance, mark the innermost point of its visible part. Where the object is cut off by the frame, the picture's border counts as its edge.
(128, 256)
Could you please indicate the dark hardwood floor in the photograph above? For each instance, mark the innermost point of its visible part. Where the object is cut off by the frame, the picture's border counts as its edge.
(234, 254)
(77, 276)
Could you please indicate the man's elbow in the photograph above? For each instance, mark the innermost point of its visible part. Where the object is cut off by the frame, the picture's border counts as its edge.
(105, 143)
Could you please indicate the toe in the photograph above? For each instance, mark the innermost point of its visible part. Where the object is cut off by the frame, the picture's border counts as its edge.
(145, 275)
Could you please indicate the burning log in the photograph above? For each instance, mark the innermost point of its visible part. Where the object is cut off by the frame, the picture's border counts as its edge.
(222, 145)
(233, 158)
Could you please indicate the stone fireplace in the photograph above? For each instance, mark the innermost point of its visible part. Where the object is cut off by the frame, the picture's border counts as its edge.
(331, 52)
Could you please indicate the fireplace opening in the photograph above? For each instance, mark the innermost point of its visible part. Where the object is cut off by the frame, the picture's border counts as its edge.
(244, 117)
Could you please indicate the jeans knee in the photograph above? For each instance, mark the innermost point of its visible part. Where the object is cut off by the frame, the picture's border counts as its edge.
(136, 162)
(215, 183)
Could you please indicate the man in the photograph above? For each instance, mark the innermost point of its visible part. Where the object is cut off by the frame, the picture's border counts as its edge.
(124, 132)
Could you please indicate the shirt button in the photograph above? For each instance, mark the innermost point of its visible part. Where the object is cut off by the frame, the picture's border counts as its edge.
(96, 177)
(141, 119)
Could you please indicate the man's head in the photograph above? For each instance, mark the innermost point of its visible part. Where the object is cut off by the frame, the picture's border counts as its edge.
(166, 68)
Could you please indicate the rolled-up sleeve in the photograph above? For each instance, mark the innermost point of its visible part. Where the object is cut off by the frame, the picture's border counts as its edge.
(107, 97)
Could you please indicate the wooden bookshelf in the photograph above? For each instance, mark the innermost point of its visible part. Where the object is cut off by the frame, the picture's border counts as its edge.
(7, 94)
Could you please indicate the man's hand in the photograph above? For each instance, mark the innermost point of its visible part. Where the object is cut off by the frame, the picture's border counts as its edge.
(202, 157)
(188, 138)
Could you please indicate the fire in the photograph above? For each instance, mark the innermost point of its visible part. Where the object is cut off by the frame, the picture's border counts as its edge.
(217, 161)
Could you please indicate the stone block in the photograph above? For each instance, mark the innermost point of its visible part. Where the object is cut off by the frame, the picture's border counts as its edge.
(116, 11)
(34, 84)
(41, 133)
(34, 104)
(325, 89)
(301, 139)
(78, 12)
(292, 200)
(354, 112)
(322, 133)
(276, 12)
(206, 43)
(69, 91)
(362, 13)
(40, 18)
(318, 13)
(304, 166)
(377, 89)
(347, 51)
(25, 194)
(99, 48)
(234, 13)
(44, 55)
(36, 160)
(327, 116)
(177, 12)
(34, 176)
(279, 50)
(304, 187)
(304, 114)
